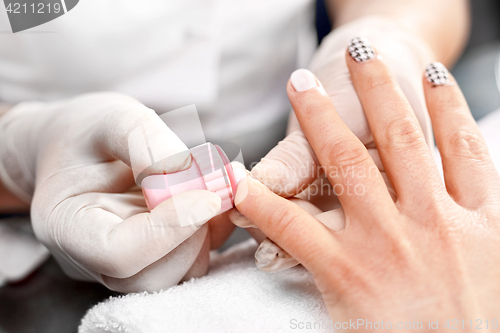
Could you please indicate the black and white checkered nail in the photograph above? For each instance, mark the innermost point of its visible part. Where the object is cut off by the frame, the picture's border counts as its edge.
(361, 50)
(437, 74)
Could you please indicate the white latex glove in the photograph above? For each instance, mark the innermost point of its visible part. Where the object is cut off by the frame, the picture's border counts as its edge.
(291, 169)
(77, 161)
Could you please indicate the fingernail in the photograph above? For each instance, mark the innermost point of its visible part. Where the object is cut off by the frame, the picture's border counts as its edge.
(239, 174)
(241, 191)
(437, 74)
(303, 80)
(361, 50)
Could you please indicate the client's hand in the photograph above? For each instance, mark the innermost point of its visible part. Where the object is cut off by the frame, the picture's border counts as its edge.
(434, 252)
(292, 168)
(82, 158)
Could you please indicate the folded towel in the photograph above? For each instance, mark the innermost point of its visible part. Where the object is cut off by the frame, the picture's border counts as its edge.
(234, 297)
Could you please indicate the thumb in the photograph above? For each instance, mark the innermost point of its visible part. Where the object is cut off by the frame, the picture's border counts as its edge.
(101, 239)
(289, 167)
(137, 136)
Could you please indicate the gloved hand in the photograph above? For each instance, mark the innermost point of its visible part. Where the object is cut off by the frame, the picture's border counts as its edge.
(78, 161)
(291, 168)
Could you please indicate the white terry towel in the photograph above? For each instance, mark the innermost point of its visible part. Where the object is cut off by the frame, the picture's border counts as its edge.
(234, 297)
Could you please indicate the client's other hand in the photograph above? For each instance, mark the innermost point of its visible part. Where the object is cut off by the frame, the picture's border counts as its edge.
(433, 253)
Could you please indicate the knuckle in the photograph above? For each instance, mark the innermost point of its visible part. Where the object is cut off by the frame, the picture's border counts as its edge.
(116, 106)
(310, 106)
(402, 133)
(377, 82)
(284, 219)
(450, 103)
(468, 144)
(346, 153)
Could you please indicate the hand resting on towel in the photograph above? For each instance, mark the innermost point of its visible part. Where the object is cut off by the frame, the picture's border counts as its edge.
(432, 251)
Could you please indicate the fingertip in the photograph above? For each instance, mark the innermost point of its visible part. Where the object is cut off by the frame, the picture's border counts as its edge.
(437, 75)
(271, 175)
(348, 59)
(248, 195)
(303, 80)
(241, 192)
(441, 89)
(360, 51)
(239, 174)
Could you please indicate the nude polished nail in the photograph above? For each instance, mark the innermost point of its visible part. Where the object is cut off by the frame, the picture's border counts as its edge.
(303, 80)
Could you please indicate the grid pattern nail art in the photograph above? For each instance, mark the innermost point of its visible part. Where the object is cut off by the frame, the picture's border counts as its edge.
(437, 74)
(361, 50)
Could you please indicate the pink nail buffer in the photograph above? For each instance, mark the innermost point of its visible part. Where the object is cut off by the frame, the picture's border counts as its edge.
(210, 170)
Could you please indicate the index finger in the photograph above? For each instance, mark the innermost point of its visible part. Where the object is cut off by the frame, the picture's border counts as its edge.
(113, 235)
(287, 224)
(353, 174)
(133, 133)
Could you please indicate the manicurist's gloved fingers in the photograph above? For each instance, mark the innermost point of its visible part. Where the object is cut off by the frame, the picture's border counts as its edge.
(347, 164)
(111, 242)
(289, 167)
(396, 131)
(287, 224)
(269, 257)
(136, 135)
(469, 173)
(189, 259)
(240, 220)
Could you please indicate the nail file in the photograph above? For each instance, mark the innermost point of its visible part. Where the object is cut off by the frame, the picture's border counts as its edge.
(210, 170)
